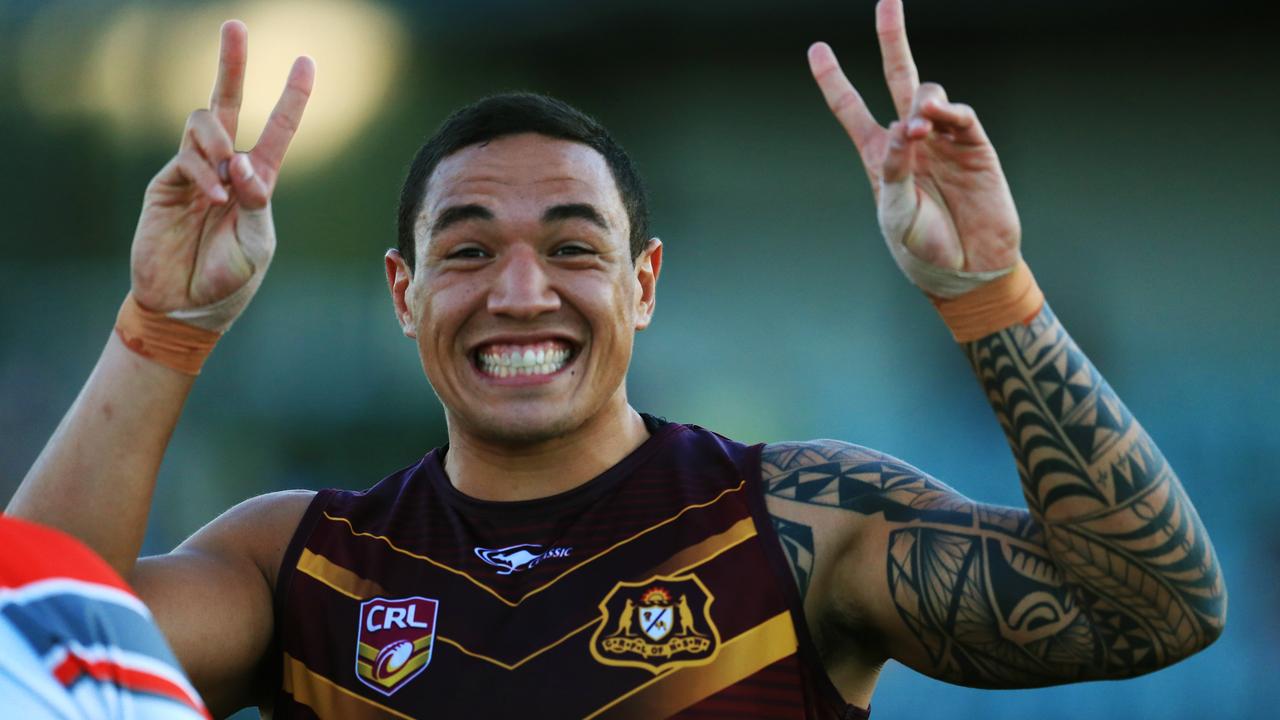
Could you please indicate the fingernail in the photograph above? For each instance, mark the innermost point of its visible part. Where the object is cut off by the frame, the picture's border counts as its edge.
(223, 173)
(916, 124)
(244, 168)
(219, 194)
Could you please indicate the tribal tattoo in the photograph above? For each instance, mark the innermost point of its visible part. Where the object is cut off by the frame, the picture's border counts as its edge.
(1109, 573)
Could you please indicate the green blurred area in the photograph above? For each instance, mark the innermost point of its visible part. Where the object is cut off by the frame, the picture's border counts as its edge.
(1139, 138)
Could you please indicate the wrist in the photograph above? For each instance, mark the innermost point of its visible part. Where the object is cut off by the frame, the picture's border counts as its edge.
(1011, 299)
(163, 339)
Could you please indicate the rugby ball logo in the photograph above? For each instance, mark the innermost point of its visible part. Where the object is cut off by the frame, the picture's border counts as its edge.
(391, 658)
(393, 644)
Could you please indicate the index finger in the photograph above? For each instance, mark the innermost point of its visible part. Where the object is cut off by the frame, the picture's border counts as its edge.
(228, 89)
(286, 116)
(899, 67)
(845, 102)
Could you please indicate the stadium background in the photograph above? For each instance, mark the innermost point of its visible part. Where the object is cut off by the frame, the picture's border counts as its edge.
(1140, 139)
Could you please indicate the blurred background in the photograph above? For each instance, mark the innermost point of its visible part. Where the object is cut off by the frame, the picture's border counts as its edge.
(1140, 139)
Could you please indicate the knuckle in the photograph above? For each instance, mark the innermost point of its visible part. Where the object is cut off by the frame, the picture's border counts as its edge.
(931, 91)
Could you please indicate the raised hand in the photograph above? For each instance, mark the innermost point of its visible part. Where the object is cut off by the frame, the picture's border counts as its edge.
(206, 236)
(940, 191)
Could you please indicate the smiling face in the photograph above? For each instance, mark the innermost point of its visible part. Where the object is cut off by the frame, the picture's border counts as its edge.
(525, 299)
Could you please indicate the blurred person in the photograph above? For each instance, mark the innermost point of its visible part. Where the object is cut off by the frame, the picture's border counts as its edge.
(539, 562)
(75, 642)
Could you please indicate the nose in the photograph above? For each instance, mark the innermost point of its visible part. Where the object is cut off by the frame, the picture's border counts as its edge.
(522, 289)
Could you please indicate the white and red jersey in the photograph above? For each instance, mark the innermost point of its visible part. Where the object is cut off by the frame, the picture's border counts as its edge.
(75, 642)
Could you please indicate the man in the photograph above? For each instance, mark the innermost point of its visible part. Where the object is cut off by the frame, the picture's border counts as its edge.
(523, 270)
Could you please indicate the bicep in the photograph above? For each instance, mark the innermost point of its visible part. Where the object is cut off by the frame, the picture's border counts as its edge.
(958, 590)
(968, 594)
(213, 596)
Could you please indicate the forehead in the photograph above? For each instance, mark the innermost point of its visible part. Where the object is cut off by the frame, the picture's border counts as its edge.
(524, 172)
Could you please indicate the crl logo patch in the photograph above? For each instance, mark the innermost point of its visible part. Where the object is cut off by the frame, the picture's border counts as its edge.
(394, 642)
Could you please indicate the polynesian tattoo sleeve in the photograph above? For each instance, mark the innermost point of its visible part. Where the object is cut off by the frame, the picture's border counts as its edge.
(1107, 573)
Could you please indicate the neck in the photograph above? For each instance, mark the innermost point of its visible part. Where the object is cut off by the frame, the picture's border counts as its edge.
(491, 471)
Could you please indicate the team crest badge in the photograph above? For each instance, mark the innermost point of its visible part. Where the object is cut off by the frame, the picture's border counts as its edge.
(394, 642)
(657, 624)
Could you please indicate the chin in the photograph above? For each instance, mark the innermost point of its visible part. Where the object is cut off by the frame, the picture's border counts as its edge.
(518, 428)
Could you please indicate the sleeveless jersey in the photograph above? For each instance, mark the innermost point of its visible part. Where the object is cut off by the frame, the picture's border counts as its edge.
(657, 589)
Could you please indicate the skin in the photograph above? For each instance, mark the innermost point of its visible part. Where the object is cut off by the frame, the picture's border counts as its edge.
(857, 526)
(517, 278)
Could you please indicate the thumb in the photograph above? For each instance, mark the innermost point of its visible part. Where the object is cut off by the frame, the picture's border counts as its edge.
(251, 188)
(898, 155)
(898, 200)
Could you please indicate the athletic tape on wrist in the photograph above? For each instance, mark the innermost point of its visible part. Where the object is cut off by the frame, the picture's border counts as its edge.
(973, 304)
(218, 316)
(1010, 300)
(896, 213)
(162, 339)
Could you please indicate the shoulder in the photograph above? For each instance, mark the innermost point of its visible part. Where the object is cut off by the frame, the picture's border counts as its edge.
(787, 467)
(258, 529)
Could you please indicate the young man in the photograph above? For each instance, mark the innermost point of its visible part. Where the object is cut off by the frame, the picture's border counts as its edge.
(565, 552)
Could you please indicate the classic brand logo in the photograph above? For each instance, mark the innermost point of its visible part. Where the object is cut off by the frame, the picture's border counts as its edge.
(660, 623)
(519, 557)
(394, 642)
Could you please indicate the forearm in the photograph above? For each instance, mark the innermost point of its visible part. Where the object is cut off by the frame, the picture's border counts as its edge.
(95, 477)
(1115, 518)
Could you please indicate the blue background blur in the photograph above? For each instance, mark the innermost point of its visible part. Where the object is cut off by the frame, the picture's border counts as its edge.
(1140, 139)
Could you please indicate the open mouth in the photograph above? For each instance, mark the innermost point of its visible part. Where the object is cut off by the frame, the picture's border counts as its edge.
(507, 360)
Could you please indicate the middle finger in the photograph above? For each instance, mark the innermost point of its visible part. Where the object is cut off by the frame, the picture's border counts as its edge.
(228, 89)
(899, 67)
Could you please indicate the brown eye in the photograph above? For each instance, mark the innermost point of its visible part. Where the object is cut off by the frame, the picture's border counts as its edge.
(468, 253)
(573, 251)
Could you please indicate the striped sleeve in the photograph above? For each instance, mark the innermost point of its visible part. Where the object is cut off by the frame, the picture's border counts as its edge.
(76, 639)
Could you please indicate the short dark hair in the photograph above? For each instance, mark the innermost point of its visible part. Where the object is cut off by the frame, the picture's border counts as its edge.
(511, 114)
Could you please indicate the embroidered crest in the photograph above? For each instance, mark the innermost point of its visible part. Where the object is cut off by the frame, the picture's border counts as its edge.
(394, 641)
(660, 623)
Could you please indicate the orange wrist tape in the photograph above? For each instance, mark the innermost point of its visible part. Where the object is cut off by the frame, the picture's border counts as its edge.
(1006, 301)
(162, 339)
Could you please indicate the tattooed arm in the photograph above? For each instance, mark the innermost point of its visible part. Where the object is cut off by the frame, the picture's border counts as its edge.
(1108, 573)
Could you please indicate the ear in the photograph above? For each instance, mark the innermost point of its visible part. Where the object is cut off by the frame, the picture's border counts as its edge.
(399, 282)
(647, 267)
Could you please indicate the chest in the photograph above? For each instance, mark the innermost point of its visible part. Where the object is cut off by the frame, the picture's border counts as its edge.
(644, 613)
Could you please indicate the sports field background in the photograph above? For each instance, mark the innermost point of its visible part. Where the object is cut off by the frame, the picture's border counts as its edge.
(1140, 139)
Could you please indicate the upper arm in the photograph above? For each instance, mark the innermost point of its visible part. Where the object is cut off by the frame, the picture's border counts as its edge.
(958, 590)
(212, 596)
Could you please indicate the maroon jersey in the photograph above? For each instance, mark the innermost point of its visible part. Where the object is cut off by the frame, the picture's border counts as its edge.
(657, 589)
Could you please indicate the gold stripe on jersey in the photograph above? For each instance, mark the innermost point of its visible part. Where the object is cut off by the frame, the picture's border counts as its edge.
(526, 658)
(553, 580)
(707, 550)
(328, 699)
(337, 577)
(739, 658)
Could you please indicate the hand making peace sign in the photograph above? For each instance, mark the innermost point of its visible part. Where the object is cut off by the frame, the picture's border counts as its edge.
(938, 183)
(206, 233)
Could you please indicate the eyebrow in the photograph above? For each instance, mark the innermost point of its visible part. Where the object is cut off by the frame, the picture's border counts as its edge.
(461, 213)
(580, 211)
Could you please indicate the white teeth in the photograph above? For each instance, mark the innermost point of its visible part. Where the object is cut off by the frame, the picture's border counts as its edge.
(540, 361)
